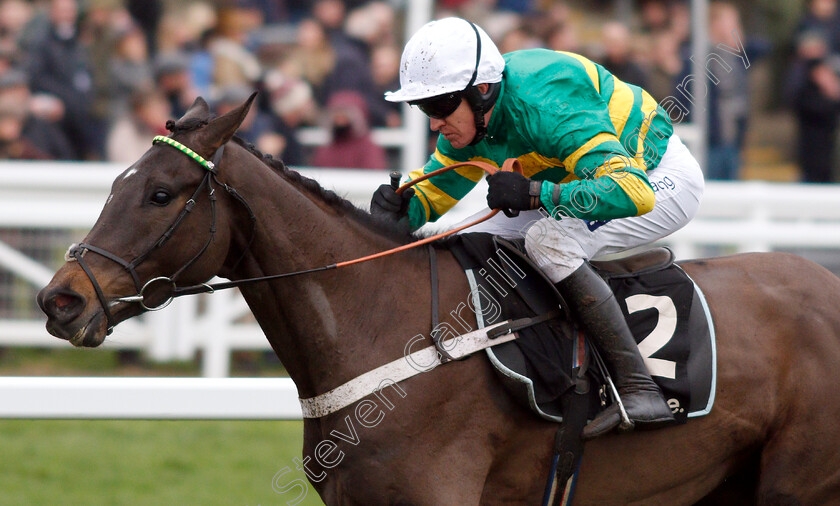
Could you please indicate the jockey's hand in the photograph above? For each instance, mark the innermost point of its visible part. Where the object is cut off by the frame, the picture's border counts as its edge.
(388, 204)
(511, 190)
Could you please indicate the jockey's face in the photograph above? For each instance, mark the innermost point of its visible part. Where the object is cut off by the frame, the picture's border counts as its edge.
(458, 127)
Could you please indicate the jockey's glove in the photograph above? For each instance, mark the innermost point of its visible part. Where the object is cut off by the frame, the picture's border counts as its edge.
(511, 190)
(387, 203)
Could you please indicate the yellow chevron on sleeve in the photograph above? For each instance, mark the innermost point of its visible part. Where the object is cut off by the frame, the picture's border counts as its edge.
(616, 165)
(571, 161)
(414, 174)
(438, 199)
(424, 200)
(534, 163)
(591, 70)
(639, 192)
(470, 172)
(649, 109)
(621, 104)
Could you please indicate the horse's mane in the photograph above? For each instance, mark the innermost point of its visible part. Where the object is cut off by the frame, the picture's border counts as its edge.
(387, 228)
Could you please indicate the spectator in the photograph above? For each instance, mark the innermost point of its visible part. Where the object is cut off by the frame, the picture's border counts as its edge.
(233, 62)
(312, 59)
(130, 68)
(563, 37)
(385, 70)
(655, 15)
(816, 100)
(132, 134)
(351, 145)
(183, 25)
(372, 24)
(28, 129)
(174, 80)
(518, 38)
(350, 68)
(147, 14)
(258, 128)
(103, 20)
(665, 64)
(823, 18)
(14, 15)
(59, 65)
(330, 14)
(728, 97)
(618, 54)
(13, 145)
(291, 101)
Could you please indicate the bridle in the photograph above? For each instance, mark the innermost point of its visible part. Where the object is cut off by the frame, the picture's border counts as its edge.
(76, 252)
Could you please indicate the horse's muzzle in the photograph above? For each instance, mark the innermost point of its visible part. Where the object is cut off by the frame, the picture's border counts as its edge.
(66, 317)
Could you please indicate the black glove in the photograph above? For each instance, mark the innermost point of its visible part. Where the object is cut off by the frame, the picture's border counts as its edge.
(511, 190)
(388, 204)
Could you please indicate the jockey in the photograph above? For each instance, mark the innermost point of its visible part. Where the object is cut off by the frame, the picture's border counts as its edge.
(597, 154)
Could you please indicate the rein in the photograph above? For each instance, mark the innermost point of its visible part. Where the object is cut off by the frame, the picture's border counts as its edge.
(76, 252)
(511, 164)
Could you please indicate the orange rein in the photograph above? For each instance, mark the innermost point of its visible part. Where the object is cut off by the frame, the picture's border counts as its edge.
(510, 165)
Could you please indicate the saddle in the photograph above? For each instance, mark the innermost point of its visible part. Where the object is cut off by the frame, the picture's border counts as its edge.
(550, 368)
(664, 309)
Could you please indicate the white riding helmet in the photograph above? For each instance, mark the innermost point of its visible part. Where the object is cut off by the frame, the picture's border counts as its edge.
(441, 58)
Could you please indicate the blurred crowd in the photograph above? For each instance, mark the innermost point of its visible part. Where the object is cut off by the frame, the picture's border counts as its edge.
(96, 79)
(814, 90)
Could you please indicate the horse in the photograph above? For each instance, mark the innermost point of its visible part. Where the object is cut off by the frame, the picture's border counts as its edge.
(451, 435)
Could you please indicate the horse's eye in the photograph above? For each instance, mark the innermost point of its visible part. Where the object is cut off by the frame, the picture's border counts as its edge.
(161, 197)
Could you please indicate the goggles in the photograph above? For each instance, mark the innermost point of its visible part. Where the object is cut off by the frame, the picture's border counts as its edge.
(439, 107)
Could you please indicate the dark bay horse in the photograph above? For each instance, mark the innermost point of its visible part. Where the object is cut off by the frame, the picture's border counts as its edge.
(452, 435)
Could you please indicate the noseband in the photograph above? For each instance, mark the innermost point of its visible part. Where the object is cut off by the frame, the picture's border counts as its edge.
(77, 251)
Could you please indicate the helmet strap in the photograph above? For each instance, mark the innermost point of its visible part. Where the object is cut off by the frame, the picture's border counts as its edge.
(480, 104)
(477, 100)
(480, 129)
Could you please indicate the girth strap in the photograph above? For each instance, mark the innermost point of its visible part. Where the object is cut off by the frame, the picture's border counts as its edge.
(436, 335)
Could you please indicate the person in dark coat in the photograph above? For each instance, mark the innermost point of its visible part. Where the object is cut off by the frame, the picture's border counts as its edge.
(28, 133)
(351, 145)
(59, 65)
(816, 100)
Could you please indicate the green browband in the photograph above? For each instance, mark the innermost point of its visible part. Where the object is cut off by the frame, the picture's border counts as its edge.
(187, 151)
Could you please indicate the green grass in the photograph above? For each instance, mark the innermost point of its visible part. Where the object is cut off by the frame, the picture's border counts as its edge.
(84, 462)
(160, 463)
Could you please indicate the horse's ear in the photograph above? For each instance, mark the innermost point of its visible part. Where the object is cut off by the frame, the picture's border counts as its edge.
(198, 111)
(221, 129)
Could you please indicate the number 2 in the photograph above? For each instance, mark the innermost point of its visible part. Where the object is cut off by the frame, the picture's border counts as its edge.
(666, 324)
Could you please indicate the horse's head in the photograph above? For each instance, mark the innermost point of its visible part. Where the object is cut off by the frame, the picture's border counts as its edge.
(161, 220)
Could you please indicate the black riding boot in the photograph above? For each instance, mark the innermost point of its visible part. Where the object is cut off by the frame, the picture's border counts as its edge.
(598, 313)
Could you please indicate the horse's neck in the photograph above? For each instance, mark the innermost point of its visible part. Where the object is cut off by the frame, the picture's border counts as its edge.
(331, 326)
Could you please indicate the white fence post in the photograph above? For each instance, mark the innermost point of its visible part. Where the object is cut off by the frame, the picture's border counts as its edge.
(216, 328)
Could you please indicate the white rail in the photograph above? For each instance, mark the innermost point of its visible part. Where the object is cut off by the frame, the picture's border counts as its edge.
(149, 398)
(748, 216)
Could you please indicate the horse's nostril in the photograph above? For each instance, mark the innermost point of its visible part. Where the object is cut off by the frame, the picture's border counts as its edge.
(62, 300)
(63, 306)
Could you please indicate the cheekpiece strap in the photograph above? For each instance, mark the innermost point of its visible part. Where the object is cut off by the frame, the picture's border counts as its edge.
(210, 166)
